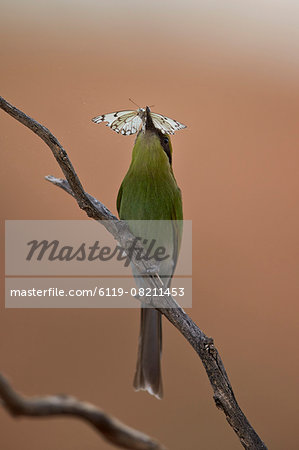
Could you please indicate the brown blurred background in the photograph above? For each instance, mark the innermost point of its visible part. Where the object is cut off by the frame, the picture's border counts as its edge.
(230, 72)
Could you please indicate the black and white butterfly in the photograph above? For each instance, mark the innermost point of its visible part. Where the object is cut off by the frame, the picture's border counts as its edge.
(129, 122)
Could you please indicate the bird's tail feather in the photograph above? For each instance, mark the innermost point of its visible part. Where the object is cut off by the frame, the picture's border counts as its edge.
(148, 370)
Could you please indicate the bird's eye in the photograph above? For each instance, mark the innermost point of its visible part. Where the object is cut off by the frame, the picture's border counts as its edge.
(166, 140)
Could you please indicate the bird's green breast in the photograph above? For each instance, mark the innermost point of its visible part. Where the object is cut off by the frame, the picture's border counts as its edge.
(149, 190)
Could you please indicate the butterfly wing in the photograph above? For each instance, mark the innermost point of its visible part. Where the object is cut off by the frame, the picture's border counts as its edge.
(124, 122)
(165, 124)
(131, 125)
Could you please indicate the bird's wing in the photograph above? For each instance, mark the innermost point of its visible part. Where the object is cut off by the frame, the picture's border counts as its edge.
(118, 200)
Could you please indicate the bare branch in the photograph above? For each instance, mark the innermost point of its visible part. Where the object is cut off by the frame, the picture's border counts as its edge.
(203, 345)
(110, 428)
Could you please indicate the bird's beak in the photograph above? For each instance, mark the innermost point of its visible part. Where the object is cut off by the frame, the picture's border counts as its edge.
(149, 125)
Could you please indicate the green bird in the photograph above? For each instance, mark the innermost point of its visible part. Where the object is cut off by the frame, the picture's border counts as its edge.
(149, 192)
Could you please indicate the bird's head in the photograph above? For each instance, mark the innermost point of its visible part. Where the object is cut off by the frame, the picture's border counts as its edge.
(151, 137)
